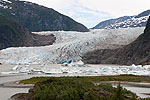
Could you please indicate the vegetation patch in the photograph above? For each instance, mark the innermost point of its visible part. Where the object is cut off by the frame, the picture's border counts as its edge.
(81, 88)
(128, 78)
(75, 88)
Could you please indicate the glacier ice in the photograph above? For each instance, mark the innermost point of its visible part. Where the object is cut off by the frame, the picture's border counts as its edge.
(69, 46)
(85, 70)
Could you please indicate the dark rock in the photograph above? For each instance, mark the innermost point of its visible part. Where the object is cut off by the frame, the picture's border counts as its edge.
(22, 96)
(14, 35)
(97, 56)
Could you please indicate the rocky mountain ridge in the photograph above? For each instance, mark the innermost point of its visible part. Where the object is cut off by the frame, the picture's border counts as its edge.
(13, 34)
(125, 22)
(38, 18)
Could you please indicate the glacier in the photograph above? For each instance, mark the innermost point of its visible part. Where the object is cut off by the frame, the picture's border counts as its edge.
(86, 70)
(69, 46)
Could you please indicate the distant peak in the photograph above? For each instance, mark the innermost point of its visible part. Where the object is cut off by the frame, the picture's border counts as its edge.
(139, 20)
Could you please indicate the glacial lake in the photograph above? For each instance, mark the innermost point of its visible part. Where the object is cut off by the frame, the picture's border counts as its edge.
(7, 92)
(139, 90)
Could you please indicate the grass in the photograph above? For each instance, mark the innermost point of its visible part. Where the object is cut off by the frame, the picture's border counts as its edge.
(128, 78)
(34, 80)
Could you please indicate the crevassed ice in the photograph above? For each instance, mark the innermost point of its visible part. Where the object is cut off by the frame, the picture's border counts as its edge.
(69, 46)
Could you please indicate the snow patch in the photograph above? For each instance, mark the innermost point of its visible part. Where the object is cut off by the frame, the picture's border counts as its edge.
(132, 22)
(3, 4)
(8, 1)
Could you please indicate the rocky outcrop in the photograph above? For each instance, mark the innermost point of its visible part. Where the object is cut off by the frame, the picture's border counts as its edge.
(138, 52)
(22, 96)
(14, 35)
(38, 18)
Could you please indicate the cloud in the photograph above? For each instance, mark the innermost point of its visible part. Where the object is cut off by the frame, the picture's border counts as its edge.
(89, 17)
(117, 7)
(56, 4)
(91, 12)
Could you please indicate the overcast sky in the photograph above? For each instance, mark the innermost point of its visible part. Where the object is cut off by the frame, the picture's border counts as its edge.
(91, 12)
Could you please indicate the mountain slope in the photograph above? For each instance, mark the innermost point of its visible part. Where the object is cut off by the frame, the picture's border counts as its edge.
(38, 18)
(106, 23)
(125, 22)
(138, 52)
(14, 35)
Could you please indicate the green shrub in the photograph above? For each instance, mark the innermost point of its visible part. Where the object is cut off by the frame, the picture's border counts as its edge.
(75, 88)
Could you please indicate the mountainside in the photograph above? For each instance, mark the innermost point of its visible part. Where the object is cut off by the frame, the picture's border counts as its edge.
(14, 35)
(38, 18)
(138, 52)
(106, 23)
(125, 22)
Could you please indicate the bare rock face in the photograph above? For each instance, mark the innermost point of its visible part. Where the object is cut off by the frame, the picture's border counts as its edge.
(138, 52)
(97, 56)
(13, 34)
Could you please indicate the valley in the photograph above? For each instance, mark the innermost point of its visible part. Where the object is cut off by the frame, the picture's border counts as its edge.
(47, 55)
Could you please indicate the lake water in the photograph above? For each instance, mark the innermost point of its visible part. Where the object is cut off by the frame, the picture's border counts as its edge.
(139, 90)
(7, 92)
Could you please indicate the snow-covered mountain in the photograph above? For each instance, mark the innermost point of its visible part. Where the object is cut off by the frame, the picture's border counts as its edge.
(70, 46)
(125, 22)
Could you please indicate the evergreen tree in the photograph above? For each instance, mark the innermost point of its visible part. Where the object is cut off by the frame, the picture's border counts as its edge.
(118, 94)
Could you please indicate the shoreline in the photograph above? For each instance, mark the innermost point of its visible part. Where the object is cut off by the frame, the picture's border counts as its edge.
(126, 82)
(16, 84)
(12, 82)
